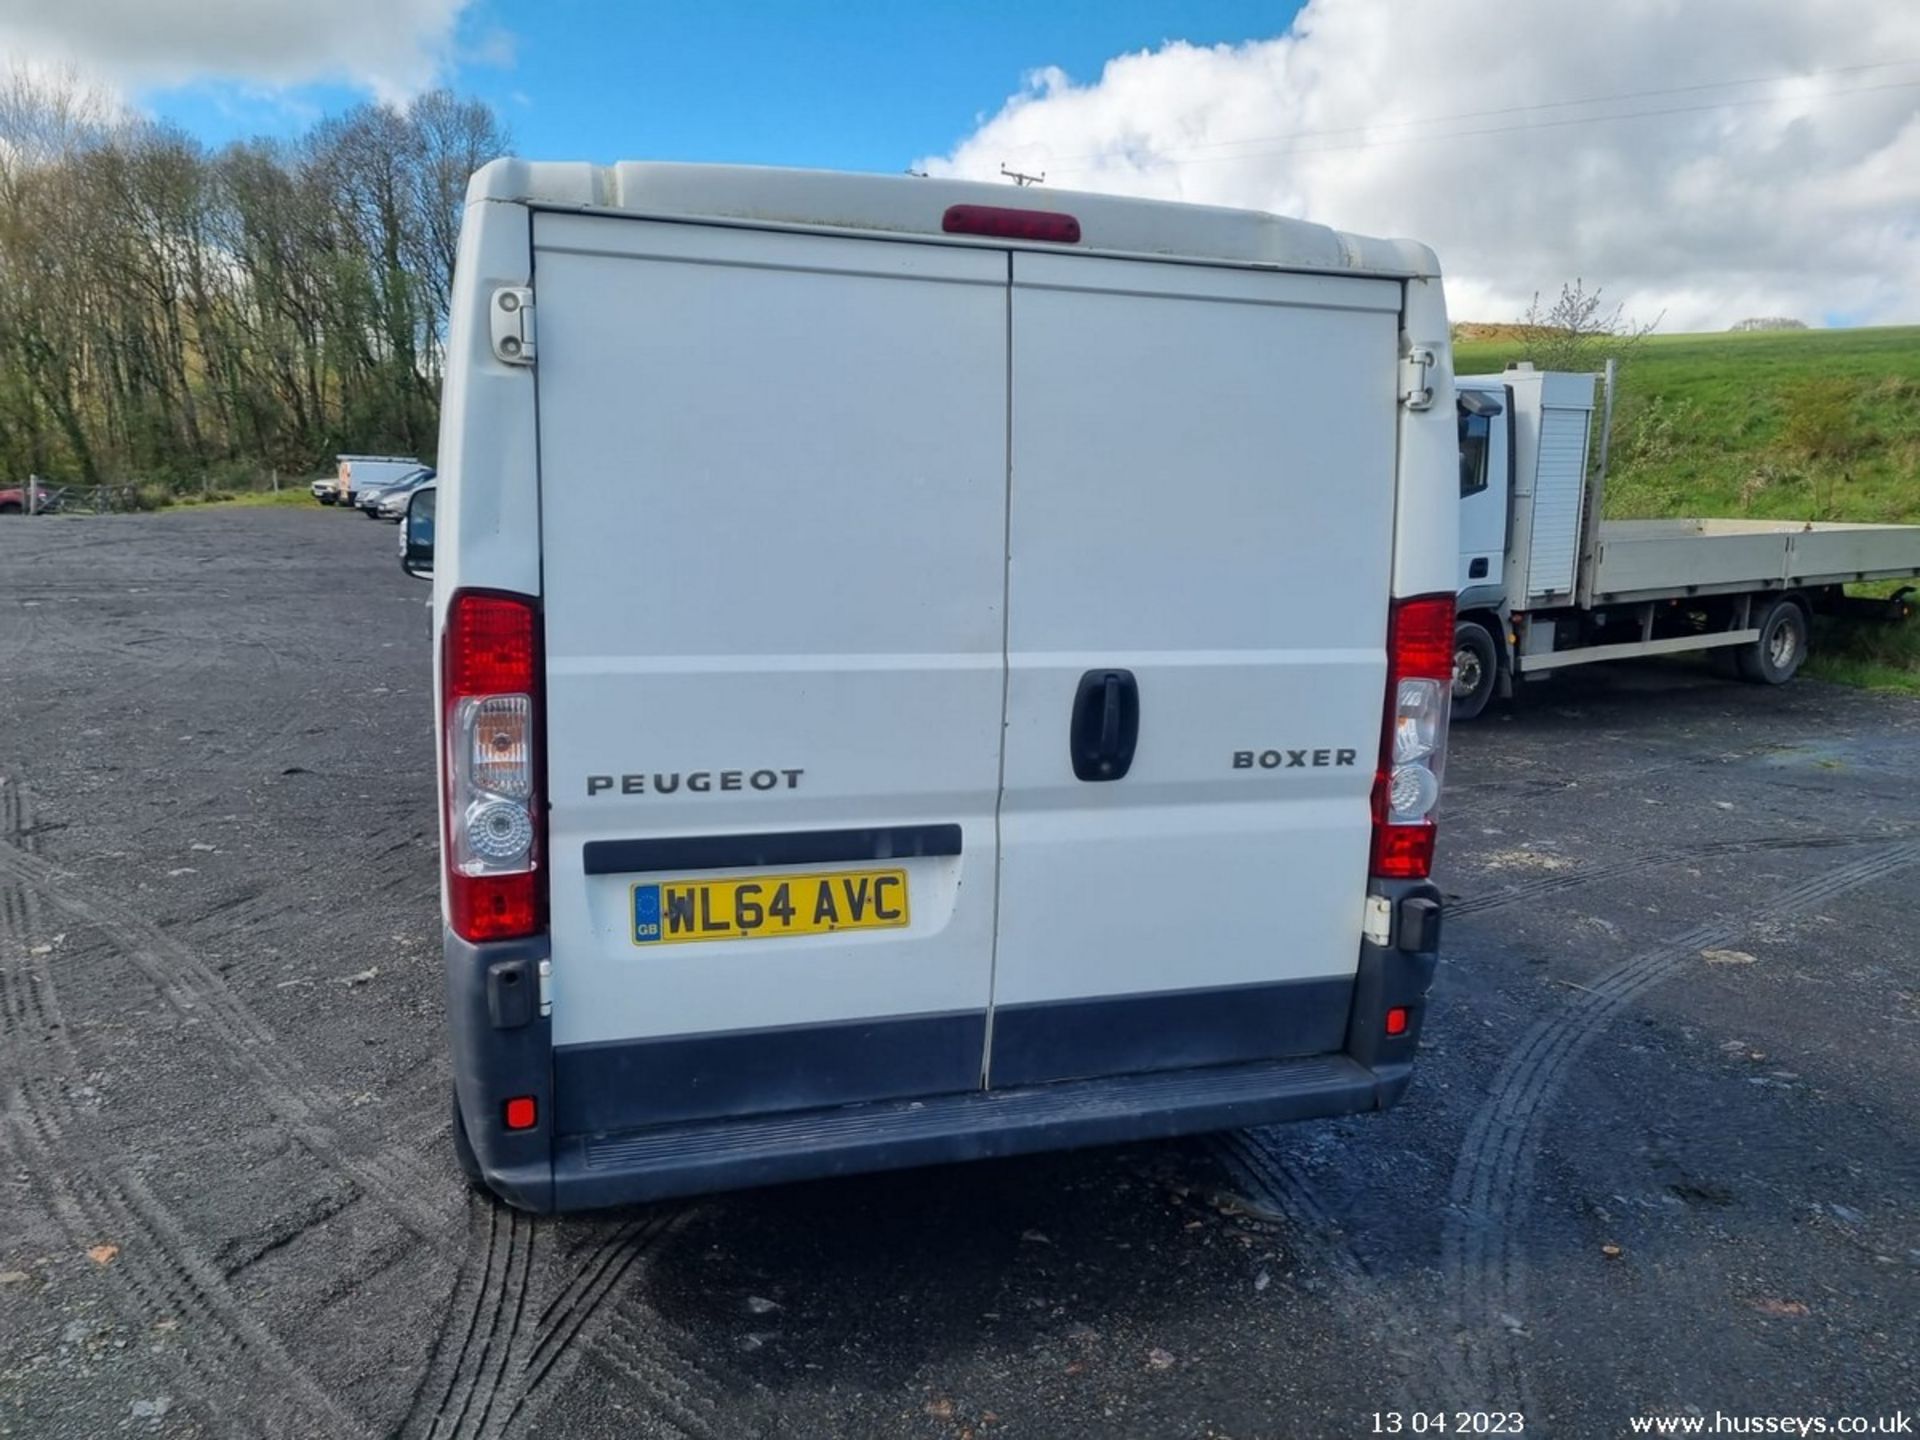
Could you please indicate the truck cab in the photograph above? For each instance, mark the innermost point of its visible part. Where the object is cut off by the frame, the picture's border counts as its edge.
(1523, 437)
(1486, 484)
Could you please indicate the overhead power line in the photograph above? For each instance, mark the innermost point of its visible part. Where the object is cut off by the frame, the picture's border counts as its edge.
(1282, 143)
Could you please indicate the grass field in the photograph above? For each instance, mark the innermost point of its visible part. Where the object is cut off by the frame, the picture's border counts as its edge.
(1789, 425)
(286, 495)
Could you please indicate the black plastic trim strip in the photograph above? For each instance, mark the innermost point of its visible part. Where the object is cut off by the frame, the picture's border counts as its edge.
(631, 1084)
(1168, 1030)
(624, 1084)
(782, 847)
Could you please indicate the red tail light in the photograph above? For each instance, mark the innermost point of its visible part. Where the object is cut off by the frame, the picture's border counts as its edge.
(490, 643)
(494, 815)
(1413, 742)
(522, 1112)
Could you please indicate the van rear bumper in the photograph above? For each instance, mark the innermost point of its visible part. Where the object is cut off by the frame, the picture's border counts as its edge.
(502, 1049)
(695, 1158)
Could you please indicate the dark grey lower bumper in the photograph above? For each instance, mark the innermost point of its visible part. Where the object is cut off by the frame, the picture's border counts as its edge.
(690, 1159)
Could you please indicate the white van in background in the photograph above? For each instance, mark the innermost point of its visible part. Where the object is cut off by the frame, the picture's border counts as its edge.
(927, 671)
(358, 473)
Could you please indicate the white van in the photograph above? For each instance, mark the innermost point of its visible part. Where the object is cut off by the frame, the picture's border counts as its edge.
(357, 473)
(927, 671)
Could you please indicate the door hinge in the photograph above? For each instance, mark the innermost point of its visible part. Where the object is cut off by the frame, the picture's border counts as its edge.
(546, 987)
(1416, 385)
(511, 317)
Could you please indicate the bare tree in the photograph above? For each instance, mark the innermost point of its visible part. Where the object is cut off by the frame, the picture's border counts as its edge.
(163, 309)
(1578, 331)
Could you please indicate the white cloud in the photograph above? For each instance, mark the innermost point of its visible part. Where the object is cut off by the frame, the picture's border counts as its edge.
(391, 48)
(1795, 195)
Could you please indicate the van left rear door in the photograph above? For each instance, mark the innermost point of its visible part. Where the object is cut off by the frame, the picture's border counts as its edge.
(773, 491)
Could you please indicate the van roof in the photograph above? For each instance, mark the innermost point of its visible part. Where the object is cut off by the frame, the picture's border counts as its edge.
(915, 205)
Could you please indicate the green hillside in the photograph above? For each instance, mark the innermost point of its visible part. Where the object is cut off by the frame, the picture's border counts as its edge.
(1799, 425)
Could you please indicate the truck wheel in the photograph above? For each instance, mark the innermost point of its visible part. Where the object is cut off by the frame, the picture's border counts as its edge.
(1476, 669)
(463, 1155)
(1777, 655)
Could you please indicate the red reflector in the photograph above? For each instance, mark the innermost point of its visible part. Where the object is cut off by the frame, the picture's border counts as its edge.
(522, 1113)
(1420, 638)
(489, 645)
(494, 907)
(1010, 224)
(1396, 1022)
(1403, 852)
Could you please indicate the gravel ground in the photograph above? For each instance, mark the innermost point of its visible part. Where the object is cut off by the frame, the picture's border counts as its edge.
(1661, 1157)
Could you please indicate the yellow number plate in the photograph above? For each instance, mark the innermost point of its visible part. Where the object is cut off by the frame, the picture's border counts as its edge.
(668, 911)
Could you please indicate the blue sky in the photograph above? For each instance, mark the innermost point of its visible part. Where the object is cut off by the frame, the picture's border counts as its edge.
(1701, 160)
(859, 84)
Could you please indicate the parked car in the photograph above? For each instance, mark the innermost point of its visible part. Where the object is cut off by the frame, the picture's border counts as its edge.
(789, 829)
(393, 503)
(326, 489)
(13, 500)
(367, 501)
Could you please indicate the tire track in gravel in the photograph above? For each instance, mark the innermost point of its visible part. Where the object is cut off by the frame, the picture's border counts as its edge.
(1483, 1255)
(485, 1360)
(234, 1369)
(395, 1180)
(1580, 875)
(1271, 1185)
(493, 1366)
(185, 647)
(687, 1395)
(600, 1281)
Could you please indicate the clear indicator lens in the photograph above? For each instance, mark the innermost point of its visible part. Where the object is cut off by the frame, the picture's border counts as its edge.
(499, 744)
(499, 831)
(1419, 715)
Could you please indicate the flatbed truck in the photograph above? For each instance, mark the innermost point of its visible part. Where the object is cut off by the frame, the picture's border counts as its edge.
(1545, 583)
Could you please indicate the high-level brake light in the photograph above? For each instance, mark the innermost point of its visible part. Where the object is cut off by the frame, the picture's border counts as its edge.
(1011, 224)
(1413, 747)
(494, 817)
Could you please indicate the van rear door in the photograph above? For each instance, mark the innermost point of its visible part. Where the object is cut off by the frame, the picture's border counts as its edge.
(1200, 538)
(773, 506)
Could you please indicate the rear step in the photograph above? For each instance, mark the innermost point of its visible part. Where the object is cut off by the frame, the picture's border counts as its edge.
(707, 1155)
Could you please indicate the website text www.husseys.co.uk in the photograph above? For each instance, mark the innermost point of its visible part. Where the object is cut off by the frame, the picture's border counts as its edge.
(1720, 1422)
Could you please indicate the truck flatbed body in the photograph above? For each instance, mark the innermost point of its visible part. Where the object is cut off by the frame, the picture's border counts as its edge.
(1665, 559)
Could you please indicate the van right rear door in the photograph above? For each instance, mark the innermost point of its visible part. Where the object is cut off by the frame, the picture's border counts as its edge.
(1200, 536)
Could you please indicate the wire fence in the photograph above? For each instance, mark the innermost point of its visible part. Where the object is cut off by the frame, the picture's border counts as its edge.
(40, 497)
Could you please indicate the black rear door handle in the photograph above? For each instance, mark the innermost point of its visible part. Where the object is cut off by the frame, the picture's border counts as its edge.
(1105, 725)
